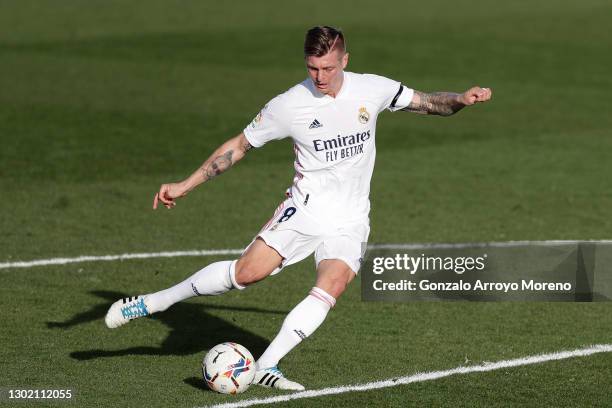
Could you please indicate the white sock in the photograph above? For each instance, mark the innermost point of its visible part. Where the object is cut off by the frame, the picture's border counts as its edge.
(215, 279)
(300, 323)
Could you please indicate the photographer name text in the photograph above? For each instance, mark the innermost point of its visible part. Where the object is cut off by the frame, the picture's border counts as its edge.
(478, 285)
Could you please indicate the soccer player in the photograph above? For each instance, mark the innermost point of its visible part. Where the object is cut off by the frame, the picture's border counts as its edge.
(331, 117)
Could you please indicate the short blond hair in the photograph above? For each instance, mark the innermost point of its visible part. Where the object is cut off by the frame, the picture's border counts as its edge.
(321, 40)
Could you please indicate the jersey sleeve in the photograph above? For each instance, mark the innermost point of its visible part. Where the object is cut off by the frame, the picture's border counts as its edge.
(390, 94)
(273, 122)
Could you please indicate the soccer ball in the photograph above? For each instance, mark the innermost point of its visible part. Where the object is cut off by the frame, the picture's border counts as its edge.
(228, 368)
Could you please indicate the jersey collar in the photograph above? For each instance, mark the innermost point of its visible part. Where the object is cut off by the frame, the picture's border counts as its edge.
(341, 92)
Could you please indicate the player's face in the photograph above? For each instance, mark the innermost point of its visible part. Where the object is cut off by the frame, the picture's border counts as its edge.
(326, 72)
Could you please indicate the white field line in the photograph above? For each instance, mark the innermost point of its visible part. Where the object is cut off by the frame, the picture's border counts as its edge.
(505, 244)
(120, 257)
(420, 377)
(212, 252)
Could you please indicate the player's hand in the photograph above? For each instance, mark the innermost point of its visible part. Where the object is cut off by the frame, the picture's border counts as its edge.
(475, 95)
(168, 193)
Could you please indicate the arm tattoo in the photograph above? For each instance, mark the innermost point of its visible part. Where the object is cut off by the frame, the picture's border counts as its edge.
(437, 103)
(218, 165)
(246, 147)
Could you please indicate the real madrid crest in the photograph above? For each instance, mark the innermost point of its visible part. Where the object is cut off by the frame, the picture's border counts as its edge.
(364, 116)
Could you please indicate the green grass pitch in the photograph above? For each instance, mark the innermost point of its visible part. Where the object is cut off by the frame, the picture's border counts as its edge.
(102, 101)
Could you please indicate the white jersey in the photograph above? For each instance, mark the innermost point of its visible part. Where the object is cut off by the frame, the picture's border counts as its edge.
(333, 142)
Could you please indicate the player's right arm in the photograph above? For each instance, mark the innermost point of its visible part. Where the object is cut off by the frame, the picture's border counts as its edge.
(220, 161)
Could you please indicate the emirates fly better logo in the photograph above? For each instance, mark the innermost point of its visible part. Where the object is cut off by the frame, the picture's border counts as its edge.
(341, 147)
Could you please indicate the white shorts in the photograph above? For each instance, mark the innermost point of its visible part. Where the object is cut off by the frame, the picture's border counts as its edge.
(295, 235)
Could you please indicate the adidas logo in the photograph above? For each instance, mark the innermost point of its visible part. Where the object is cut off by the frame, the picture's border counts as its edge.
(315, 124)
(300, 333)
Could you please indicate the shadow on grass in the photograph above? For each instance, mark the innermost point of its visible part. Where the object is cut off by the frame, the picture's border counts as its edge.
(193, 330)
(198, 383)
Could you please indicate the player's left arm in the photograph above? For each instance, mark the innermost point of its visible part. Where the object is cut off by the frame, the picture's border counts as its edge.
(446, 103)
